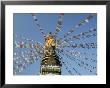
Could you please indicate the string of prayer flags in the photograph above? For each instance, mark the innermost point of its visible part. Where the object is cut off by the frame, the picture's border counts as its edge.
(38, 25)
(81, 63)
(27, 45)
(59, 23)
(88, 34)
(81, 45)
(82, 22)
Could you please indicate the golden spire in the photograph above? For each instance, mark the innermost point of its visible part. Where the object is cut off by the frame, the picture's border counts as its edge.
(50, 41)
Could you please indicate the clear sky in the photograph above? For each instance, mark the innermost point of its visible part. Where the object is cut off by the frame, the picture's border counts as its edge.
(24, 26)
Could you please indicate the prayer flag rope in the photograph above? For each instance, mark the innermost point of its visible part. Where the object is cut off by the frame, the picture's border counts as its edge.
(80, 64)
(82, 22)
(38, 25)
(80, 36)
(59, 23)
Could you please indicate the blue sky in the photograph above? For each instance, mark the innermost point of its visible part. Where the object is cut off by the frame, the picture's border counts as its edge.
(24, 26)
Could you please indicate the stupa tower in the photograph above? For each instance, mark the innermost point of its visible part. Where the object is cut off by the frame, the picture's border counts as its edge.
(50, 64)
